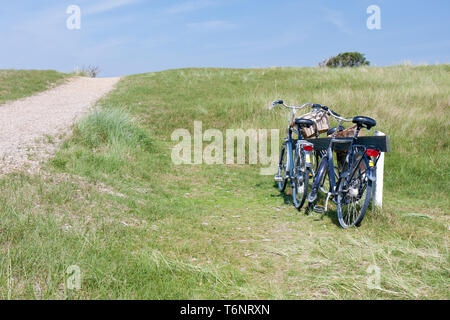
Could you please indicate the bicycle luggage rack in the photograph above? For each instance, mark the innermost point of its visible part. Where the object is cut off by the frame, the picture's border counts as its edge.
(383, 143)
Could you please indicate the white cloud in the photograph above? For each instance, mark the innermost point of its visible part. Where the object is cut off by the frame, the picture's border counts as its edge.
(106, 6)
(212, 25)
(337, 19)
(282, 40)
(189, 6)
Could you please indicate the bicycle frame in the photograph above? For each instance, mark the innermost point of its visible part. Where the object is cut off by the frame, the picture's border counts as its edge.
(334, 185)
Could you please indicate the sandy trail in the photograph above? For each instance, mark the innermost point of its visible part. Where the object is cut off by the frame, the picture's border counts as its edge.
(27, 124)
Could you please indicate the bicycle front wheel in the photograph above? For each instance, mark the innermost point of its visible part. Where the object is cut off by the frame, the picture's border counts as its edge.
(353, 199)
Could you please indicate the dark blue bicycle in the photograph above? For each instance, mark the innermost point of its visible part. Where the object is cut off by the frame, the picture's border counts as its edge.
(350, 183)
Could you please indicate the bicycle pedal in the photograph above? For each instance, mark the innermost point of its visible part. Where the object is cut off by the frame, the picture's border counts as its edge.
(319, 209)
(278, 179)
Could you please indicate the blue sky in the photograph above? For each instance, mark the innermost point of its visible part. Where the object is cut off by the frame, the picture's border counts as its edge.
(134, 36)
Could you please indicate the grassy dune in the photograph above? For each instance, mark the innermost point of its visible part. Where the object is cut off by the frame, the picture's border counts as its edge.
(138, 226)
(16, 84)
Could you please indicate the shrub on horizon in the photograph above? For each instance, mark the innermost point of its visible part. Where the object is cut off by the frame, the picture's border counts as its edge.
(345, 59)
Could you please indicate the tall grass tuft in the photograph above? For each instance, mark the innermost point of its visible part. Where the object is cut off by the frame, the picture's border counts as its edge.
(104, 142)
(112, 127)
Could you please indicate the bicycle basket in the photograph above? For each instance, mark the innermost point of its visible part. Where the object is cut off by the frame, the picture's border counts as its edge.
(348, 133)
(322, 121)
(342, 155)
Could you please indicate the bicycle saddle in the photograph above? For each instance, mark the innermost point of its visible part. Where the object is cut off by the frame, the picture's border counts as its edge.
(304, 123)
(364, 122)
(333, 130)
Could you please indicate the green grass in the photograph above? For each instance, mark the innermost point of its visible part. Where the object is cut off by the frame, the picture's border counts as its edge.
(138, 226)
(16, 84)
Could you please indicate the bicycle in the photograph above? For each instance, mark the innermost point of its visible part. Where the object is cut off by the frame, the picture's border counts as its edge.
(296, 157)
(352, 180)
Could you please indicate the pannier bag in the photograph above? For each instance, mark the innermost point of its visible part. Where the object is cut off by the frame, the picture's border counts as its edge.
(321, 120)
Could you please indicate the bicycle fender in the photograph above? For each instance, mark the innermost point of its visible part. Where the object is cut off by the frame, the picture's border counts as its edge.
(372, 175)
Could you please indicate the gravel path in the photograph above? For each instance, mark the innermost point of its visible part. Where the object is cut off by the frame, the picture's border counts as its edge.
(31, 128)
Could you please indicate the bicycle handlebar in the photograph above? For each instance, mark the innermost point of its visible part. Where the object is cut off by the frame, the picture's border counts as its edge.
(332, 113)
(277, 102)
(317, 105)
(338, 117)
(312, 105)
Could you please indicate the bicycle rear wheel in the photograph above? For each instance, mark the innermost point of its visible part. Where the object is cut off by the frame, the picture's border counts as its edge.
(301, 178)
(353, 199)
(282, 167)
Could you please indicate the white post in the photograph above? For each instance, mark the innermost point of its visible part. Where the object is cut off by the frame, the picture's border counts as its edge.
(378, 190)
